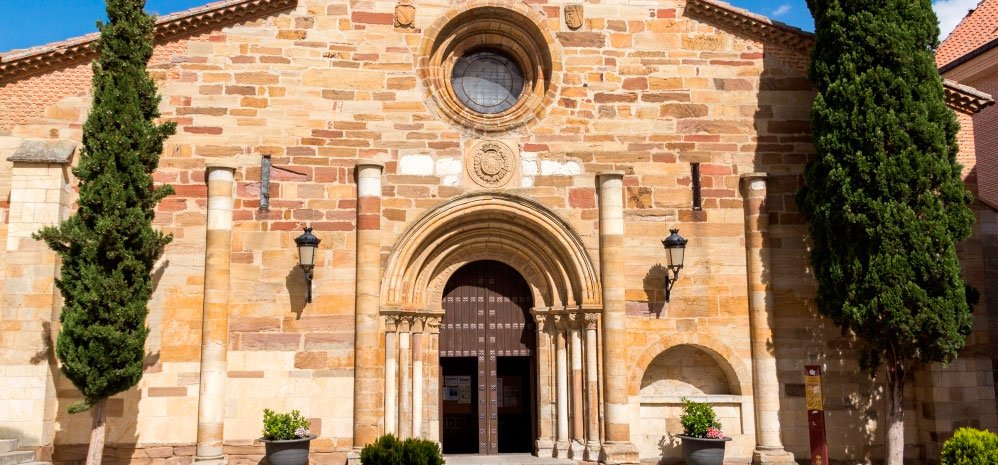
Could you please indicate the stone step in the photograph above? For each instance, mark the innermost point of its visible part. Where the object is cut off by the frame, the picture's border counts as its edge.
(7, 445)
(17, 457)
(37, 463)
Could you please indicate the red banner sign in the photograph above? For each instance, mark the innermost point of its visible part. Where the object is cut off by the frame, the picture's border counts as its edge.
(815, 414)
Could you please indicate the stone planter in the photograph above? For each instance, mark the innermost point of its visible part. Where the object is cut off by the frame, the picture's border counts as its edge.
(703, 451)
(289, 451)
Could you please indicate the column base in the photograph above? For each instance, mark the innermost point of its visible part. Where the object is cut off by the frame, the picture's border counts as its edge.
(592, 451)
(353, 457)
(545, 448)
(619, 453)
(772, 457)
(576, 450)
(218, 460)
(562, 448)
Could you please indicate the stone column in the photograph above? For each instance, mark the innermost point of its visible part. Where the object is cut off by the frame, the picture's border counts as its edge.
(417, 380)
(39, 197)
(578, 419)
(431, 362)
(545, 402)
(367, 405)
(561, 375)
(391, 375)
(765, 385)
(618, 447)
(405, 379)
(592, 390)
(215, 318)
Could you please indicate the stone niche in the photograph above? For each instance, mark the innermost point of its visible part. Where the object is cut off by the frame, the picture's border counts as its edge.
(687, 371)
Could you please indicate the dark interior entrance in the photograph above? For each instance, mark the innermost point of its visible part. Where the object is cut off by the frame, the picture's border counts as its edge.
(487, 367)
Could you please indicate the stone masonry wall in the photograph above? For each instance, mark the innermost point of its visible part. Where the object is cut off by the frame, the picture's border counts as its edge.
(644, 89)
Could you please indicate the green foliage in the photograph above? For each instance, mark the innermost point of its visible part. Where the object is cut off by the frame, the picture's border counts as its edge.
(387, 450)
(884, 197)
(421, 452)
(284, 426)
(697, 418)
(108, 247)
(970, 446)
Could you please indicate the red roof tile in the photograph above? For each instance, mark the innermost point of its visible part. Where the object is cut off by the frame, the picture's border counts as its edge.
(977, 29)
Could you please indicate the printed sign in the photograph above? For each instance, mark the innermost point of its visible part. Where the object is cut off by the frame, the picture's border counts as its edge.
(815, 414)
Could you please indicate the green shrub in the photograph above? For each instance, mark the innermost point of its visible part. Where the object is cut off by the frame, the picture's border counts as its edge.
(387, 450)
(421, 452)
(697, 418)
(283, 426)
(970, 446)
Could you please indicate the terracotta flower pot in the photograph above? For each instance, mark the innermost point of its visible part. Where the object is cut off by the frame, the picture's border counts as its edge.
(703, 451)
(289, 451)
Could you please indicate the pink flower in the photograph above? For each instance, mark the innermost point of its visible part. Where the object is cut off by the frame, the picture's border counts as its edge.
(714, 433)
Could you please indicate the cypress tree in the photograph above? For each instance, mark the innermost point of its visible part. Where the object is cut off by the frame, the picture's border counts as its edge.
(883, 197)
(108, 247)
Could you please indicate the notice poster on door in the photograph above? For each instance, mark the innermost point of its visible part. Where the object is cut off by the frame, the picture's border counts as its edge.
(463, 389)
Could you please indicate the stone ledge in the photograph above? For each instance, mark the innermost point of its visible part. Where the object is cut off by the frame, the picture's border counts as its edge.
(58, 152)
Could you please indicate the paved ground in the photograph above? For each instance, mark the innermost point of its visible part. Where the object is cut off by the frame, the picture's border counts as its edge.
(503, 459)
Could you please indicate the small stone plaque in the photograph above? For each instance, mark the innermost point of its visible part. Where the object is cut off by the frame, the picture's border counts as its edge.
(491, 163)
(573, 16)
(405, 15)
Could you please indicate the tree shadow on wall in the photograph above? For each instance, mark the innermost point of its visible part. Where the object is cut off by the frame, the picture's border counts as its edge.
(853, 400)
(122, 416)
(654, 287)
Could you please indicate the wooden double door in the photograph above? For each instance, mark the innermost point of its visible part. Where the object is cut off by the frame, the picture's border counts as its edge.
(487, 362)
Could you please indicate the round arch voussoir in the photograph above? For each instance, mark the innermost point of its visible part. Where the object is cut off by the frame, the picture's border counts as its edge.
(490, 226)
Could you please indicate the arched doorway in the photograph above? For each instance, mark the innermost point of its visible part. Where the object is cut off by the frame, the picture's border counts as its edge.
(487, 361)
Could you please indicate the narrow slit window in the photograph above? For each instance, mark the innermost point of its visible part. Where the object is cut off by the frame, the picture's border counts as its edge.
(695, 185)
(265, 182)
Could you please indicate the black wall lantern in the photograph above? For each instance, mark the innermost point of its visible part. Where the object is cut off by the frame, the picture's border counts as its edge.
(675, 251)
(307, 243)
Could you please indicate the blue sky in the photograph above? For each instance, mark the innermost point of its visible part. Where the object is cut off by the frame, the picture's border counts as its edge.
(27, 23)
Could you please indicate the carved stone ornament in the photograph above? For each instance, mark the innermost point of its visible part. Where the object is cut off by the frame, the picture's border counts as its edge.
(405, 15)
(492, 164)
(573, 16)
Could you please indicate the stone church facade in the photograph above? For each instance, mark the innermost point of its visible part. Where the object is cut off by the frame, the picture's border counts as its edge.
(491, 181)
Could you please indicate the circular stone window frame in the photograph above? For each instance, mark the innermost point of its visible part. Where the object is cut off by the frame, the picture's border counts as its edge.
(509, 28)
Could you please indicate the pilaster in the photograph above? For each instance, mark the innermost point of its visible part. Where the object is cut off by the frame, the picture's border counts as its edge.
(39, 196)
(617, 448)
(215, 314)
(765, 385)
(368, 368)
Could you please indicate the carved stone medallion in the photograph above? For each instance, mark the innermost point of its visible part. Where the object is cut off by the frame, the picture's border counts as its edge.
(491, 164)
(405, 15)
(573, 16)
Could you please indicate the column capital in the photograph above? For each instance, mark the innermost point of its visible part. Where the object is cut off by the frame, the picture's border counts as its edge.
(754, 175)
(370, 164)
(433, 324)
(391, 323)
(611, 174)
(221, 165)
(754, 184)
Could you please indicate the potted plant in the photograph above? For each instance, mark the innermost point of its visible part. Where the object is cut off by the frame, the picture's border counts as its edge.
(286, 438)
(703, 441)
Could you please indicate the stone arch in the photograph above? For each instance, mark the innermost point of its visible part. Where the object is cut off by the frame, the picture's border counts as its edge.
(490, 226)
(738, 375)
